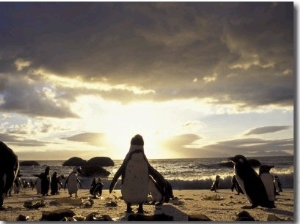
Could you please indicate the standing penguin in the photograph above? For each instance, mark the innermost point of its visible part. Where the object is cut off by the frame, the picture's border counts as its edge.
(55, 184)
(9, 167)
(267, 179)
(135, 171)
(45, 181)
(277, 184)
(215, 184)
(250, 182)
(72, 181)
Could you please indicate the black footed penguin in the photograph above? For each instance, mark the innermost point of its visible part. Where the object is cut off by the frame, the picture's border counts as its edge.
(215, 184)
(55, 184)
(135, 171)
(158, 194)
(45, 181)
(72, 181)
(235, 185)
(277, 184)
(9, 167)
(96, 187)
(267, 179)
(250, 182)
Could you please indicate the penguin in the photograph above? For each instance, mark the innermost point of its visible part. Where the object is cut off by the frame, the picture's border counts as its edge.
(250, 182)
(45, 181)
(72, 181)
(235, 185)
(215, 184)
(17, 185)
(38, 183)
(277, 185)
(135, 171)
(96, 187)
(9, 167)
(55, 184)
(155, 191)
(267, 179)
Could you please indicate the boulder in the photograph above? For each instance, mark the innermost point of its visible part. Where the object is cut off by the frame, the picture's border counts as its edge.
(101, 161)
(74, 161)
(29, 163)
(56, 215)
(94, 171)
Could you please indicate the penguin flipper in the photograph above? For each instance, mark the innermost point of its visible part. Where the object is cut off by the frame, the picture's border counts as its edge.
(116, 177)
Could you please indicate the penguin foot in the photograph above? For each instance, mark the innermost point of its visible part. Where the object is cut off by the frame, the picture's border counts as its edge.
(129, 211)
(141, 211)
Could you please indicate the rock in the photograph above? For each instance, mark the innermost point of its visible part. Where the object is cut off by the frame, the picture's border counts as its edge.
(22, 218)
(101, 161)
(94, 171)
(112, 204)
(157, 217)
(198, 217)
(244, 216)
(74, 161)
(30, 205)
(29, 163)
(93, 217)
(272, 217)
(57, 215)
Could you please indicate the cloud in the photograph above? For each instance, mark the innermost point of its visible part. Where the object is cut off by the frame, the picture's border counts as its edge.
(154, 46)
(97, 139)
(21, 95)
(18, 141)
(265, 130)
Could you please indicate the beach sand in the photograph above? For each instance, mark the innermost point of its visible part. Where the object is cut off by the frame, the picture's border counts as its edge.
(221, 206)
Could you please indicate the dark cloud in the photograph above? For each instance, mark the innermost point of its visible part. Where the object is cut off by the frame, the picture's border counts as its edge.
(184, 145)
(265, 130)
(239, 53)
(97, 139)
(15, 140)
(20, 95)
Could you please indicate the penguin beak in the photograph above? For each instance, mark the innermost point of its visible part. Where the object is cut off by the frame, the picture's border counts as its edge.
(231, 159)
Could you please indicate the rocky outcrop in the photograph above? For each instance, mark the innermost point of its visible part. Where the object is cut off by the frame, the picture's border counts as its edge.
(29, 163)
(101, 161)
(74, 161)
(94, 171)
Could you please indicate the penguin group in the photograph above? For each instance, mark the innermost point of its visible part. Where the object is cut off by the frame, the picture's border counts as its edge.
(139, 178)
(259, 188)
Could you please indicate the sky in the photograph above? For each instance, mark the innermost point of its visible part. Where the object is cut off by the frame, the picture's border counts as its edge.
(196, 80)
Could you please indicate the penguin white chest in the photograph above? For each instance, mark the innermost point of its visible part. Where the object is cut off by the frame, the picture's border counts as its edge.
(267, 180)
(135, 183)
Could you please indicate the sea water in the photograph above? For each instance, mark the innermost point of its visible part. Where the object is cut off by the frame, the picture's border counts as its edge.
(194, 173)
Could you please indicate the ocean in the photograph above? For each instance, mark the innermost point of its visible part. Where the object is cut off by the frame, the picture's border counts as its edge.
(194, 173)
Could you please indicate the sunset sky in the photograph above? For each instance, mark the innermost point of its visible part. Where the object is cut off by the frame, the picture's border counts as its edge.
(198, 79)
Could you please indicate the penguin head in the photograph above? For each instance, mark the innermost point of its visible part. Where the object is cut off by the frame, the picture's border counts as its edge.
(238, 159)
(77, 169)
(137, 140)
(265, 169)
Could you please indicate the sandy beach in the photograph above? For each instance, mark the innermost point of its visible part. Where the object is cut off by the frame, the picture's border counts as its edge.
(220, 206)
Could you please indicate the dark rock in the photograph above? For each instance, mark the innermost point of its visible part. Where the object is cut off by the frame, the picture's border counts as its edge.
(30, 205)
(29, 163)
(101, 161)
(254, 162)
(244, 216)
(94, 171)
(22, 218)
(57, 215)
(93, 217)
(74, 161)
(157, 217)
(198, 217)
